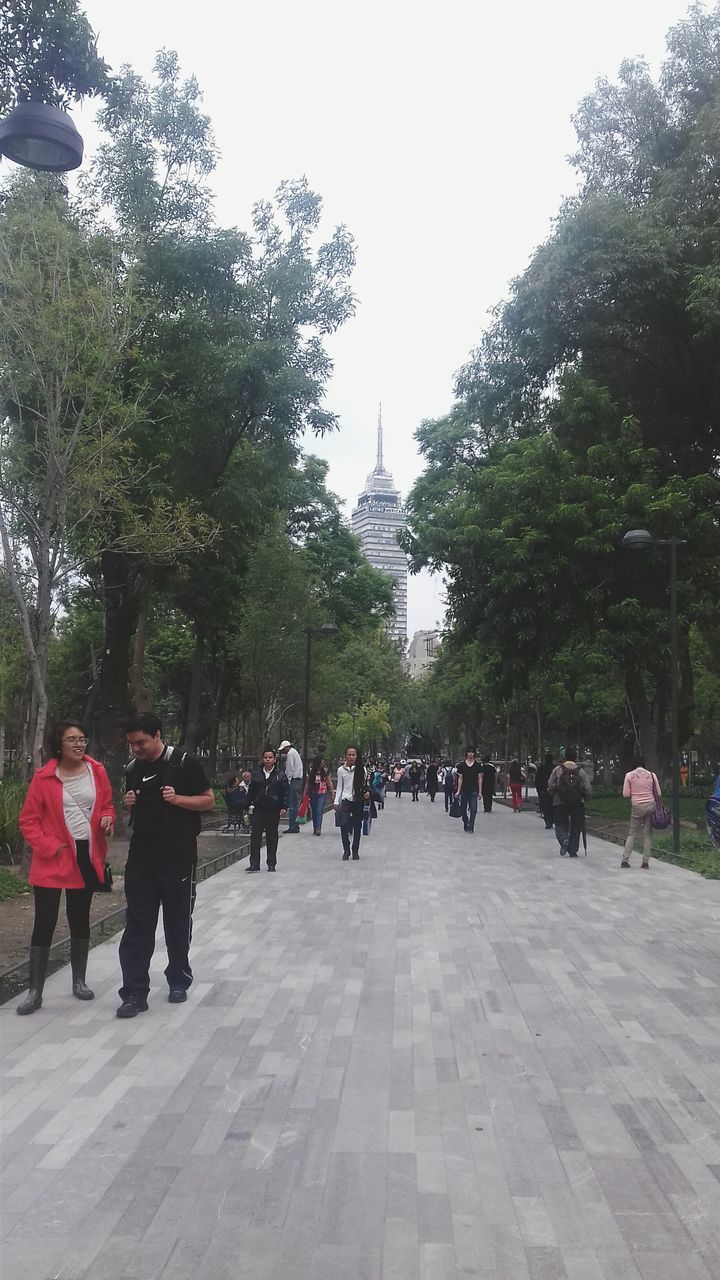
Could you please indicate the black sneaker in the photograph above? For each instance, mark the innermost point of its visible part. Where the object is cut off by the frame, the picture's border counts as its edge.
(132, 1006)
(249, 871)
(271, 868)
(624, 863)
(178, 995)
(346, 857)
(356, 857)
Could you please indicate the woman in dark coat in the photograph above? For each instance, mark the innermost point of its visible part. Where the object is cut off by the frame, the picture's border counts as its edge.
(431, 781)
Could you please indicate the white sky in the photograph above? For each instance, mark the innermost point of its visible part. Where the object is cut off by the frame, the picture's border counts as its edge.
(437, 133)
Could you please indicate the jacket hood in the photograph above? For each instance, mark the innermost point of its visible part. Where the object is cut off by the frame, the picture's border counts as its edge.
(570, 764)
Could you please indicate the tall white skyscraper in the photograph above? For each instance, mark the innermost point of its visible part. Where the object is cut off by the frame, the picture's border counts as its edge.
(378, 516)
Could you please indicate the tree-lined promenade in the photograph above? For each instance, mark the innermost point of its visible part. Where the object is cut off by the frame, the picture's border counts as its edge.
(167, 541)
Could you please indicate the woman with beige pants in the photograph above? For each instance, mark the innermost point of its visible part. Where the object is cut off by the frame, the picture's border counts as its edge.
(638, 788)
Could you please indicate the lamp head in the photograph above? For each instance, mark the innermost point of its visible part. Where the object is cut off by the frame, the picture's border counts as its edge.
(39, 136)
(638, 538)
(328, 629)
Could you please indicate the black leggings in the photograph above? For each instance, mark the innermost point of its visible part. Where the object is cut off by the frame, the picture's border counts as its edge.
(47, 906)
(77, 903)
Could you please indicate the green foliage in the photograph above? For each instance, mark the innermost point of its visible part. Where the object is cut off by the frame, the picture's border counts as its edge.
(11, 885)
(590, 407)
(367, 727)
(12, 795)
(48, 53)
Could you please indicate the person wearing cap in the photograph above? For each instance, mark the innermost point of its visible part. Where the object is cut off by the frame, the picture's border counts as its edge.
(294, 775)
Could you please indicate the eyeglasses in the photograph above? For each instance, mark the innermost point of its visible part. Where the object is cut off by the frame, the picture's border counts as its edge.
(76, 742)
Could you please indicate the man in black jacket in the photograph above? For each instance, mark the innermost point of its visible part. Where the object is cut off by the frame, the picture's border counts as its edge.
(269, 793)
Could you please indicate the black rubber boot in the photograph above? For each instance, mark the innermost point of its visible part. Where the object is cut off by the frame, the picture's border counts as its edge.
(38, 970)
(79, 948)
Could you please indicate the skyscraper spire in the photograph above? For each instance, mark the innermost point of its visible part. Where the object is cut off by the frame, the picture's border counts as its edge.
(379, 464)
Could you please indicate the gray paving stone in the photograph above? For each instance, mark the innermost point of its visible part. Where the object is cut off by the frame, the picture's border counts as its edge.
(453, 1059)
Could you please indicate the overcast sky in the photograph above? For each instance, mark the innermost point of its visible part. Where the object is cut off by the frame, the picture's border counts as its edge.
(438, 133)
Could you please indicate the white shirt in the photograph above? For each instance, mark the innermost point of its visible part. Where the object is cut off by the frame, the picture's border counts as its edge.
(345, 785)
(78, 802)
(293, 764)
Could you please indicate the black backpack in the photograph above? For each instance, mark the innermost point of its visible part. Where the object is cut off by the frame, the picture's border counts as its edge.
(569, 788)
(172, 764)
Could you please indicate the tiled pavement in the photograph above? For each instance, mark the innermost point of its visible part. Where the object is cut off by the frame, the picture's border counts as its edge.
(460, 1056)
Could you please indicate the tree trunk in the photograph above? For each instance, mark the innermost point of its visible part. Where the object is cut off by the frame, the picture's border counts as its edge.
(141, 698)
(606, 764)
(191, 734)
(109, 701)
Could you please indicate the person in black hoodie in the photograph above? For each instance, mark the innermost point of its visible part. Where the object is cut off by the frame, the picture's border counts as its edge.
(269, 793)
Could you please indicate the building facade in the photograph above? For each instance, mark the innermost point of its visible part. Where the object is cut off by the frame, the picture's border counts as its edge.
(422, 651)
(376, 520)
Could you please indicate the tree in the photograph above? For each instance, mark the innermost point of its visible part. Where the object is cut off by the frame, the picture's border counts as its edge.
(64, 326)
(531, 536)
(48, 53)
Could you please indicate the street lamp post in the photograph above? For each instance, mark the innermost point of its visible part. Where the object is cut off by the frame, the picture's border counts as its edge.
(327, 629)
(642, 538)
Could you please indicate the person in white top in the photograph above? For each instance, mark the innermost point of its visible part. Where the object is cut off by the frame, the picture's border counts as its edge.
(293, 765)
(638, 789)
(350, 796)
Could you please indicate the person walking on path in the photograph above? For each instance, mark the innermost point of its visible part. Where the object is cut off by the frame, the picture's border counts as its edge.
(318, 786)
(431, 781)
(398, 776)
(350, 798)
(545, 800)
(414, 778)
(269, 795)
(569, 787)
(448, 784)
(487, 784)
(515, 778)
(641, 788)
(293, 766)
(66, 819)
(468, 788)
(166, 791)
(377, 783)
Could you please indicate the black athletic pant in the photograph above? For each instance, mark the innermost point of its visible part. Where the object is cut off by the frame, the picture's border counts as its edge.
(487, 799)
(267, 821)
(398, 789)
(449, 792)
(152, 882)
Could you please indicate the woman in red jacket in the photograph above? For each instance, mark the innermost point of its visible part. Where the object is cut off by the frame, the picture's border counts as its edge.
(66, 817)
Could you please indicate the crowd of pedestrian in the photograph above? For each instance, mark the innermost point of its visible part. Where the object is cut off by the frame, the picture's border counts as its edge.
(68, 816)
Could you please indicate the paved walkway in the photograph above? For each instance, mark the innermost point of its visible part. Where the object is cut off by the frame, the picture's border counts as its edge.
(460, 1056)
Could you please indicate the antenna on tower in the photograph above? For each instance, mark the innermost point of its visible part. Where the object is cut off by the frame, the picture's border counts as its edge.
(379, 464)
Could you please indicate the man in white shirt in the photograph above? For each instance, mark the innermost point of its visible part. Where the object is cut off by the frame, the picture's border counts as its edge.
(294, 774)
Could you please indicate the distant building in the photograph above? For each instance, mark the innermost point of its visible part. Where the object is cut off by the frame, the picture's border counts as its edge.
(377, 519)
(422, 651)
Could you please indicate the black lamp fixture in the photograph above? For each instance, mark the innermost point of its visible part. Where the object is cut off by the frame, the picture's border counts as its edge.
(39, 136)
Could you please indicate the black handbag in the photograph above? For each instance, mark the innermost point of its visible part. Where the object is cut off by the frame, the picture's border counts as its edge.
(107, 884)
(455, 808)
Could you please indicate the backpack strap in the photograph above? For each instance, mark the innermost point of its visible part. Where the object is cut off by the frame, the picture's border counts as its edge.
(173, 763)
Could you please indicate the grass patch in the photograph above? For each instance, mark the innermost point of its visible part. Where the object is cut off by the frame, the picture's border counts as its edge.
(696, 850)
(11, 885)
(618, 807)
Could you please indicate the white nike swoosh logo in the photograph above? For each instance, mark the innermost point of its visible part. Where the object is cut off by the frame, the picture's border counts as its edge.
(152, 775)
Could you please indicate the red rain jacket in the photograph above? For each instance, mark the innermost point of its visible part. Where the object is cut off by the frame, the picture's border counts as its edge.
(42, 822)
